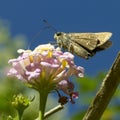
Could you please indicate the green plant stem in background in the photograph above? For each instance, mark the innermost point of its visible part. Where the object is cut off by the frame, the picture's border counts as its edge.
(52, 111)
(20, 113)
(105, 93)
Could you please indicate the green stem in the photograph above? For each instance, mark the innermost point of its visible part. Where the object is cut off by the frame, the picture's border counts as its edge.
(52, 111)
(42, 104)
(18, 117)
(20, 114)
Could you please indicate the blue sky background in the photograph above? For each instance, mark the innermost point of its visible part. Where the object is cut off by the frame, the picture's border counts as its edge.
(25, 17)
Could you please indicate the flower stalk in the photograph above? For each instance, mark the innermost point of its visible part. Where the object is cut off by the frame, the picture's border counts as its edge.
(42, 103)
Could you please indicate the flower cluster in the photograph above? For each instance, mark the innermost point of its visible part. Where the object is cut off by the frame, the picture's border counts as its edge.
(46, 68)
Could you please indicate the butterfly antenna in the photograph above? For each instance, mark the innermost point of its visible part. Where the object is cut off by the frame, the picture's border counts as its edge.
(49, 25)
(37, 34)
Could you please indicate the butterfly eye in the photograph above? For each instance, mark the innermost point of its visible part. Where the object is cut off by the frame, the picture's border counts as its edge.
(58, 33)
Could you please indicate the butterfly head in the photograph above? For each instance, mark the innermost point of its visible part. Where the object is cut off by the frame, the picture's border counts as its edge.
(58, 35)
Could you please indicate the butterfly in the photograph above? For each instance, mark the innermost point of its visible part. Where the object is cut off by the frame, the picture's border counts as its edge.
(84, 45)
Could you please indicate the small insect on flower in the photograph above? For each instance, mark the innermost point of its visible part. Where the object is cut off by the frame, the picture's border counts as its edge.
(84, 45)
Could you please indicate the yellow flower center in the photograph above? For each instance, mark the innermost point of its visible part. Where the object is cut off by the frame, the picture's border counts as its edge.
(64, 63)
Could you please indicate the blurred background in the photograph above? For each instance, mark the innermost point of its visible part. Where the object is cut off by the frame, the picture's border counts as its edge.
(21, 23)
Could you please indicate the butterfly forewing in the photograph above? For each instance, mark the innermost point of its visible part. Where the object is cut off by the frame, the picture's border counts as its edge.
(92, 40)
(86, 40)
(103, 37)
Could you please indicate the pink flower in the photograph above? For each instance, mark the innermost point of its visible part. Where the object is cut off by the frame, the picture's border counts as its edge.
(46, 67)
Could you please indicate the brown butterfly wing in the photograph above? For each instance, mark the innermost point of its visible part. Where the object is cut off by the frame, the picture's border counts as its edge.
(91, 41)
